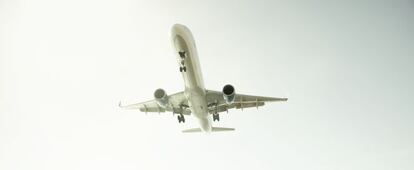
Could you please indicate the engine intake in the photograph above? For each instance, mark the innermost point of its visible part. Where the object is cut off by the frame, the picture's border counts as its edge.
(161, 97)
(229, 93)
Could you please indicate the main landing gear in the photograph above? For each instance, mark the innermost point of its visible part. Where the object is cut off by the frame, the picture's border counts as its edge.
(181, 118)
(180, 112)
(216, 116)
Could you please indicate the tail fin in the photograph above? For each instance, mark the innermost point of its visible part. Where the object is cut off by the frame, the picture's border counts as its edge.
(214, 129)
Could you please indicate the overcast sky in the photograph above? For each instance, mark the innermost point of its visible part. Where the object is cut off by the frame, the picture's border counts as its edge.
(346, 66)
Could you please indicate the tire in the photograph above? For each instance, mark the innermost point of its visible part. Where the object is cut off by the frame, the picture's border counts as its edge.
(182, 118)
(216, 117)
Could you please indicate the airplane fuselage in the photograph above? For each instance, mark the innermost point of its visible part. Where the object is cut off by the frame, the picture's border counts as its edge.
(195, 92)
(205, 105)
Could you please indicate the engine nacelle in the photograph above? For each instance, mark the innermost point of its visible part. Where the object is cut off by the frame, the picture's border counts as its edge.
(161, 97)
(229, 93)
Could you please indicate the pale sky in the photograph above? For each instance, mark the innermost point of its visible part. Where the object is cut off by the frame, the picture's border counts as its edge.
(346, 66)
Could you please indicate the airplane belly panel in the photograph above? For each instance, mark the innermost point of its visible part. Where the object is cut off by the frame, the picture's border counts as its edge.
(187, 57)
(199, 109)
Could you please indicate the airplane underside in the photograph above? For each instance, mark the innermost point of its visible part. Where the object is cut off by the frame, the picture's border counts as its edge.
(205, 105)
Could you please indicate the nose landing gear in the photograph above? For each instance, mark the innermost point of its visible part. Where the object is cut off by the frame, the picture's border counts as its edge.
(182, 63)
(182, 54)
(183, 69)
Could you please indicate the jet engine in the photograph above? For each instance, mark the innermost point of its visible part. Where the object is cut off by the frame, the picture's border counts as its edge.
(161, 97)
(229, 93)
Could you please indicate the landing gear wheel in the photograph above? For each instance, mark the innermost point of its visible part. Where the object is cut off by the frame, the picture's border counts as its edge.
(181, 69)
(185, 69)
(182, 54)
(216, 117)
(181, 118)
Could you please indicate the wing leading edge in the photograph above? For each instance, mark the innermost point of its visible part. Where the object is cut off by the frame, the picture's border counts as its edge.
(241, 101)
(176, 103)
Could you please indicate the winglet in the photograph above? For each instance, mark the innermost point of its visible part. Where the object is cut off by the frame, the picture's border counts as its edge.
(129, 107)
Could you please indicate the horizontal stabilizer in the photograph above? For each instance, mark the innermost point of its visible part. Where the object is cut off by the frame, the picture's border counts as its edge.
(214, 129)
(192, 130)
(221, 129)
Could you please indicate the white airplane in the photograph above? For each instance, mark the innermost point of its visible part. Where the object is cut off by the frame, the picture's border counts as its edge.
(196, 100)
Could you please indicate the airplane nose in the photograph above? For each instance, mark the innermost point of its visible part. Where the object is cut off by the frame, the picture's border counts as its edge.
(178, 29)
(181, 37)
(175, 29)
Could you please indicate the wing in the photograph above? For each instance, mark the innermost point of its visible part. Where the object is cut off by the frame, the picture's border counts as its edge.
(241, 101)
(177, 104)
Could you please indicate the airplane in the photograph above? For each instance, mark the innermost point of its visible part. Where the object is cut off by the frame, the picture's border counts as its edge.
(196, 100)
